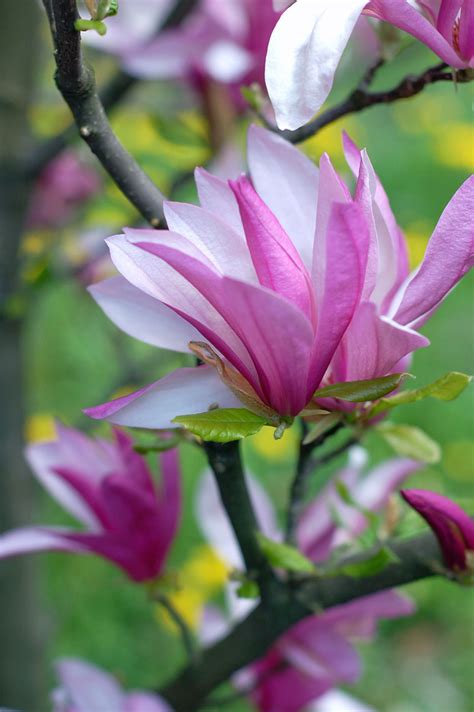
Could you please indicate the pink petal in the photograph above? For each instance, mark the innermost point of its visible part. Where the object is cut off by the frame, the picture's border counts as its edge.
(346, 257)
(288, 183)
(145, 702)
(404, 16)
(276, 260)
(182, 392)
(337, 701)
(450, 253)
(373, 345)
(148, 271)
(276, 334)
(466, 31)
(143, 317)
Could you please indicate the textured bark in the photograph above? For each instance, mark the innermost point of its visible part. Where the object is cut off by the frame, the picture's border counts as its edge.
(20, 650)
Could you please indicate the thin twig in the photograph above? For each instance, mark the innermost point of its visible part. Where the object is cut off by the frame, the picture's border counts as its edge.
(110, 95)
(361, 99)
(180, 623)
(305, 466)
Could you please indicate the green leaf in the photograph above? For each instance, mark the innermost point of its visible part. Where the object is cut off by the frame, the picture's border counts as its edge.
(158, 446)
(284, 556)
(371, 566)
(222, 425)
(446, 388)
(248, 589)
(410, 441)
(85, 25)
(361, 391)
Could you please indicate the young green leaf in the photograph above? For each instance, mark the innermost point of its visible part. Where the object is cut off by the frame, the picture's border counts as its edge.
(362, 391)
(369, 567)
(283, 556)
(410, 441)
(325, 423)
(248, 589)
(446, 388)
(222, 425)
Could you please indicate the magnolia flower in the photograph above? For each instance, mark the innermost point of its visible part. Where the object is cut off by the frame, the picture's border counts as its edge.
(108, 487)
(63, 185)
(86, 688)
(221, 40)
(263, 280)
(308, 41)
(317, 653)
(453, 528)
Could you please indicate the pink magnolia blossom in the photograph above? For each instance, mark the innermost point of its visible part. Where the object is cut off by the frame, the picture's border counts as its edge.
(87, 688)
(311, 35)
(108, 487)
(279, 283)
(317, 653)
(221, 40)
(64, 184)
(453, 528)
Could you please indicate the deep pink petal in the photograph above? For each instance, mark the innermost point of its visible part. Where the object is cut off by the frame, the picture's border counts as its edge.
(450, 253)
(182, 392)
(466, 31)
(453, 528)
(346, 257)
(275, 258)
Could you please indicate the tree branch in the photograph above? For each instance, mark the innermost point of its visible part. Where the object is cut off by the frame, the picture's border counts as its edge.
(361, 99)
(110, 95)
(226, 464)
(418, 557)
(76, 83)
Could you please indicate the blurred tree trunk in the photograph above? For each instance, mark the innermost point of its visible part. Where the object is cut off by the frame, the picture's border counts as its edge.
(20, 650)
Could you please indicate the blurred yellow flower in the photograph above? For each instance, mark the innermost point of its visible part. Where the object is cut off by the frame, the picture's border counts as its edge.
(203, 574)
(456, 146)
(417, 240)
(266, 446)
(40, 427)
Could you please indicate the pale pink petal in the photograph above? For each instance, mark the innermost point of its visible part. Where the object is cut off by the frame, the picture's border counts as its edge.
(145, 702)
(288, 183)
(449, 255)
(224, 247)
(30, 540)
(359, 618)
(182, 392)
(303, 54)
(216, 196)
(143, 317)
(88, 688)
(373, 345)
(275, 258)
(213, 625)
(337, 701)
(170, 56)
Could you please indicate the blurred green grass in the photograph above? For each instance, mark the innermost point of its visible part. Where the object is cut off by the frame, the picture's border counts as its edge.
(75, 358)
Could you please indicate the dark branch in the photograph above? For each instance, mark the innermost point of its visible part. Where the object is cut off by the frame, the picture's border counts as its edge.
(418, 557)
(180, 623)
(110, 95)
(361, 99)
(307, 463)
(76, 82)
(226, 464)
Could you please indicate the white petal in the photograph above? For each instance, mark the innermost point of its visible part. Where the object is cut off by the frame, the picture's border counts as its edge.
(303, 54)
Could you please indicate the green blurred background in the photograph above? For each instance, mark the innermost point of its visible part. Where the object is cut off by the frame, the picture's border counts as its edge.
(422, 149)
